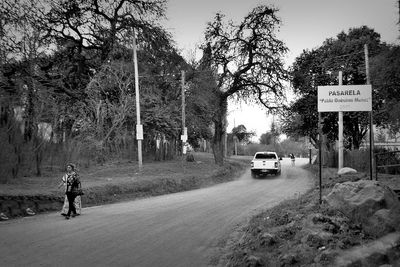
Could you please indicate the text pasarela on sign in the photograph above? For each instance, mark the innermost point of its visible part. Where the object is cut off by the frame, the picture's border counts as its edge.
(344, 98)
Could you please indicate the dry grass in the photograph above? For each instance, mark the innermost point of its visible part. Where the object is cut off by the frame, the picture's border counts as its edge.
(113, 173)
(118, 181)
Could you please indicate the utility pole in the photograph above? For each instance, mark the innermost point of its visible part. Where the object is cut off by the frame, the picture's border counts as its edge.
(139, 126)
(340, 128)
(371, 119)
(184, 129)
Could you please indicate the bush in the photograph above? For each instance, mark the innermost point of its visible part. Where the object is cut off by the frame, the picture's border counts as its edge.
(386, 157)
(284, 148)
(357, 159)
(15, 154)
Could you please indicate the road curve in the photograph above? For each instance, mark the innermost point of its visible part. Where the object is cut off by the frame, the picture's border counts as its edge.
(181, 229)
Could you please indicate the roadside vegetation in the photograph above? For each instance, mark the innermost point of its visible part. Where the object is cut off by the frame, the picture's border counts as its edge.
(117, 181)
(303, 232)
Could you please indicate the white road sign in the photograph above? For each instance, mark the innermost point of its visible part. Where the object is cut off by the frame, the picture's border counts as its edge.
(139, 132)
(344, 98)
(184, 138)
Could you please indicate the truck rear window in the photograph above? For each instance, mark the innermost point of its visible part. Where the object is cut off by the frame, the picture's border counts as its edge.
(265, 156)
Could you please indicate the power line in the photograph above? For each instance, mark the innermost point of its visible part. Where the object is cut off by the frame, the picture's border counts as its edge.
(171, 74)
(350, 54)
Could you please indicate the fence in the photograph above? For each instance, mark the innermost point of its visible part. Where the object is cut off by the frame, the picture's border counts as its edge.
(389, 162)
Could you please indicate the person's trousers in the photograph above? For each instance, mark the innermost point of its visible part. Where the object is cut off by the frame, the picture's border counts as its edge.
(71, 198)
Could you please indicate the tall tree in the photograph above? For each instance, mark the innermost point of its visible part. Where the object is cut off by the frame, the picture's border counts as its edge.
(161, 94)
(111, 100)
(24, 47)
(247, 62)
(102, 25)
(266, 138)
(23, 44)
(93, 32)
(200, 105)
(320, 67)
(271, 136)
(385, 79)
(242, 134)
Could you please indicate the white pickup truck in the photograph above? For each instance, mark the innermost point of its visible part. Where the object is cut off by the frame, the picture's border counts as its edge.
(265, 163)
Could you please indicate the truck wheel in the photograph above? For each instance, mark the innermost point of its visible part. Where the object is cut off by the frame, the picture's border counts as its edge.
(253, 175)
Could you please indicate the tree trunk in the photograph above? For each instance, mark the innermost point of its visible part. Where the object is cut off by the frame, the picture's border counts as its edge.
(29, 113)
(38, 149)
(219, 125)
(158, 149)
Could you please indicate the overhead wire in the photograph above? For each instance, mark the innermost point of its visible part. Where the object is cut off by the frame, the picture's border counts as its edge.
(171, 74)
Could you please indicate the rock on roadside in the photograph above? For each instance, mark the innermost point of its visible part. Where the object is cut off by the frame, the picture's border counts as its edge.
(346, 170)
(369, 203)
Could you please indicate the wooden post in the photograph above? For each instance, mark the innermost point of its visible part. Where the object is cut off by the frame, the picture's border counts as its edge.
(340, 135)
(371, 119)
(320, 155)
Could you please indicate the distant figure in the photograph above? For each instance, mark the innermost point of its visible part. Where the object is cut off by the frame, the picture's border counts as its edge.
(292, 158)
(72, 202)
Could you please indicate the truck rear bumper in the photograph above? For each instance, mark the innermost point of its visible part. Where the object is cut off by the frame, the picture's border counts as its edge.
(264, 171)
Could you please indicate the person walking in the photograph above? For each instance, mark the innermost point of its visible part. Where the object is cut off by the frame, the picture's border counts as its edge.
(292, 158)
(77, 202)
(72, 184)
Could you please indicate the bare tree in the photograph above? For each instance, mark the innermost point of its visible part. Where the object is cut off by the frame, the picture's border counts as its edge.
(101, 25)
(24, 43)
(247, 60)
(110, 99)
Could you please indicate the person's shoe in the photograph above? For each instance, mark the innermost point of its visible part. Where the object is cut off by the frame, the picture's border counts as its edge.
(67, 217)
(63, 214)
(3, 217)
(30, 212)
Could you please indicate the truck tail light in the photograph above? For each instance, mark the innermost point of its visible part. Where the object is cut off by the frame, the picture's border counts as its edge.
(276, 164)
(252, 164)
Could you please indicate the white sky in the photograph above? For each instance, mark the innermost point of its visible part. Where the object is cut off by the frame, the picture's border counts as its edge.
(305, 25)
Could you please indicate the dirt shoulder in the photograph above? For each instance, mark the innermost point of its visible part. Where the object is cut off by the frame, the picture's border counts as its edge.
(117, 181)
(301, 232)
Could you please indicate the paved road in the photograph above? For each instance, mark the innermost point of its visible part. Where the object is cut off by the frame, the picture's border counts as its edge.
(181, 229)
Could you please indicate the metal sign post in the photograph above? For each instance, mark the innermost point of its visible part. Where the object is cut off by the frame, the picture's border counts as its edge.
(343, 98)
